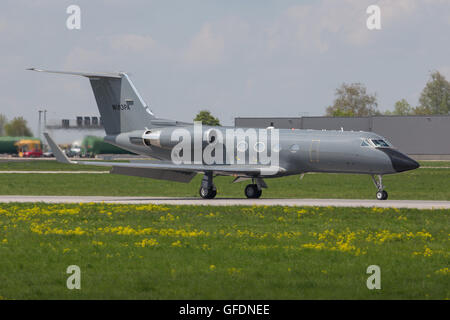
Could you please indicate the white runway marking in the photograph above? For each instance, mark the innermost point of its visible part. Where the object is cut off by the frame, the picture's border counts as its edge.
(417, 204)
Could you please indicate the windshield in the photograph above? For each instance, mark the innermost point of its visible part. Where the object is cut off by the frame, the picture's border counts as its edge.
(380, 143)
(377, 143)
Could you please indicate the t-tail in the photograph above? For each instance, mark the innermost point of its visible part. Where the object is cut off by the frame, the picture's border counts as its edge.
(120, 105)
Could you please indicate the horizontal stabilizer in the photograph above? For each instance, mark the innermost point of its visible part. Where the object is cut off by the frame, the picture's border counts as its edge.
(85, 74)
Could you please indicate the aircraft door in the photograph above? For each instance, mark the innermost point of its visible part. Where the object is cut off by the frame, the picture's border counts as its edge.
(314, 151)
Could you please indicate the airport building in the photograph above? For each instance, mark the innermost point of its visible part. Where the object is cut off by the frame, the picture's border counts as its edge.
(66, 131)
(421, 137)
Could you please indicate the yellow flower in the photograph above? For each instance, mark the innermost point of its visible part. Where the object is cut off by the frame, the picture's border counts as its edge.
(444, 271)
(177, 244)
(212, 267)
(233, 270)
(147, 243)
(427, 252)
(317, 246)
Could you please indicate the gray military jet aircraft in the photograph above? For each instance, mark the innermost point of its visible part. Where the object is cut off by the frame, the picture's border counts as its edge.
(131, 125)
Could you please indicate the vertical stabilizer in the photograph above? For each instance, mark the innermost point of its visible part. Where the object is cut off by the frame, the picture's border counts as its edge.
(120, 105)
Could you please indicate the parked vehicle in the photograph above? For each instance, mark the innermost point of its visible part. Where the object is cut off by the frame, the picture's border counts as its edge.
(29, 148)
(8, 144)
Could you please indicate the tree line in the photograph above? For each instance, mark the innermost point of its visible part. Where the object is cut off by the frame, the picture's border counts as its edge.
(17, 127)
(353, 100)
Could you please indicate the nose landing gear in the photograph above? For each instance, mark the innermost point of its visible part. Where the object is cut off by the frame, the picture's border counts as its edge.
(381, 193)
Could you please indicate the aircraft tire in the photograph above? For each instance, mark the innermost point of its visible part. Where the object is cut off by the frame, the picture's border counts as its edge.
(382, 195)
(207, 193)
(252, 192)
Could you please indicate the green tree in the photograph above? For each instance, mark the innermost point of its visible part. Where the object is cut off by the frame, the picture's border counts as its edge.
(354, 101)
(3, 122)
(435, 97)
(207, 118)
(17, 127)
(401, 108)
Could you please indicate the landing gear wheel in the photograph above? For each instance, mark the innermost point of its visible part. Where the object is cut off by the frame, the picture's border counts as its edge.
(382, 195)
(252, 191)
(207, 193)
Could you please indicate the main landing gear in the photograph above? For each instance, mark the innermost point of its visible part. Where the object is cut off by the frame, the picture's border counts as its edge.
(381, 193)
(252, 191)
(208, 189)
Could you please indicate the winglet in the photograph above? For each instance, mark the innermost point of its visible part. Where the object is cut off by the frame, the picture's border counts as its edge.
(59, 154)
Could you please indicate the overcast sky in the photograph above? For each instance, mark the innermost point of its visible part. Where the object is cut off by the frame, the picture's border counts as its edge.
(235, 58)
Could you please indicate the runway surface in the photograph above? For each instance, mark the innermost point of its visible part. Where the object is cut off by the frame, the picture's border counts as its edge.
(52, 172)
(417, 204)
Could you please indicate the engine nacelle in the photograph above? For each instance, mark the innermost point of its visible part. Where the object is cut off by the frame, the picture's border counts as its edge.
(162, 137)
(152, 138)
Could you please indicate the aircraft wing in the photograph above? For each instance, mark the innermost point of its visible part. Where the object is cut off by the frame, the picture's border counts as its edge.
(251, 170)
(236, 169)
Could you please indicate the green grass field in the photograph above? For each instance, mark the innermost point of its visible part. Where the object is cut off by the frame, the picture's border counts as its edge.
(425, 184)
(188, 252)
(46, 165)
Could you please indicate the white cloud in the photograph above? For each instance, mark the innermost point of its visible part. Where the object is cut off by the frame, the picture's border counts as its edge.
(206, 47)
(85, 59)
(309, 28)
(313, 28)
(133, 43)
(394, 10)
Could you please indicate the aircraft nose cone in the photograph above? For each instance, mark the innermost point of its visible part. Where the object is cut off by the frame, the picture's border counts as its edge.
(404, 163)
(400, 161)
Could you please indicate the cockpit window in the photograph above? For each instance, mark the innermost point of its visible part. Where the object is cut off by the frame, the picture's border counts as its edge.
(379, 143)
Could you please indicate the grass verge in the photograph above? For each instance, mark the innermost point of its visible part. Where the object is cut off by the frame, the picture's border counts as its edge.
(423, 184)
(188, 252)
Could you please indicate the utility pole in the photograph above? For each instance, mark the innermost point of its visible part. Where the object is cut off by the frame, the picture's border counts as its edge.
(45, 120)
(39, 124)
